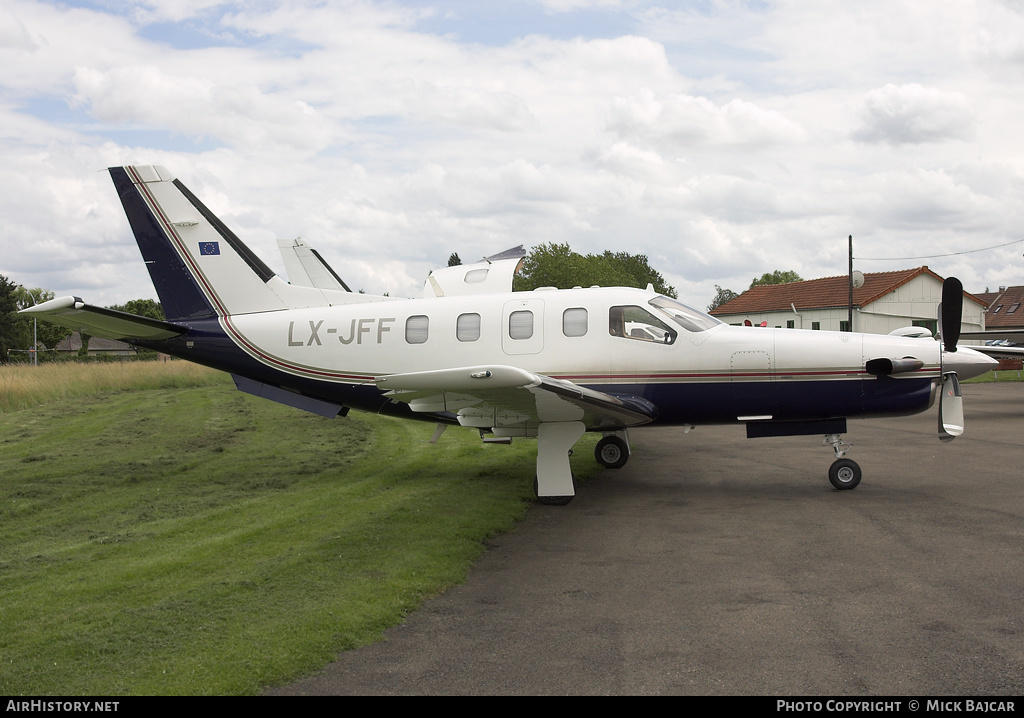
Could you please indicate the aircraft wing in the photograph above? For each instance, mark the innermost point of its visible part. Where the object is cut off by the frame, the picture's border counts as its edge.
(73, 313)
(1001, 352)
(511, 400)
(1011, 334)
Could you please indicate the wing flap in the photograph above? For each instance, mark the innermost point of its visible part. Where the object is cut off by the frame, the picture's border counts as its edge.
(73, 313)
(498, 396)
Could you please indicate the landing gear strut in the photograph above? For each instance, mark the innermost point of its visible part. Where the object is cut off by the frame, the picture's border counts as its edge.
(844, 474)
(554, 484)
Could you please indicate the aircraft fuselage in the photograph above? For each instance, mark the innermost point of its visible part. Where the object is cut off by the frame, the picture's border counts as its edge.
(714, 374)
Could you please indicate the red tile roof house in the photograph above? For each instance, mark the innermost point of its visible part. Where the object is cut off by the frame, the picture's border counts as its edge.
(886, 301)
(1006, 312)
(1005, 308)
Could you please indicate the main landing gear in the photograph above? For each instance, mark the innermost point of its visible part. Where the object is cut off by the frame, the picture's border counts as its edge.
(844, 474)
(554, 484)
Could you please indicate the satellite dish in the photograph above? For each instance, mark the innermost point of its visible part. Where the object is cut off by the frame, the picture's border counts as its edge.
(858, 279)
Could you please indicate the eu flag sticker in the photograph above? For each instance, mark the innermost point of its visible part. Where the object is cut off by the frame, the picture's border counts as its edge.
(209, 247)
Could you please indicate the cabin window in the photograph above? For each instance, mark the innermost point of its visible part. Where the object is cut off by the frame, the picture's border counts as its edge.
(467, 327)
(574, 322)
(520, 325)
(475, 276)
(416, 329)
(637, 323)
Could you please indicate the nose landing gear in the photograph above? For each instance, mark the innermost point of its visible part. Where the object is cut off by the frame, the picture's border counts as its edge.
(844, 474)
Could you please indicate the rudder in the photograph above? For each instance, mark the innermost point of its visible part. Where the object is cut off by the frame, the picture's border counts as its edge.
(198, 266)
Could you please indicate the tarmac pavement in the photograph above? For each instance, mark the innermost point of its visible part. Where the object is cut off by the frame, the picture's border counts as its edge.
(716, 565)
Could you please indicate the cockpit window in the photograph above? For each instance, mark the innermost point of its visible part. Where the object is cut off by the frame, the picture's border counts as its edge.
(688, 318)
(638, 323)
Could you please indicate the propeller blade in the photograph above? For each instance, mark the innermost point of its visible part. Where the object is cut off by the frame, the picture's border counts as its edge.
(951, 312)
(951, 408)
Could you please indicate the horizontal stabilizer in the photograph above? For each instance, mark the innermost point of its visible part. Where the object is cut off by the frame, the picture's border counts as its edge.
(73, 313)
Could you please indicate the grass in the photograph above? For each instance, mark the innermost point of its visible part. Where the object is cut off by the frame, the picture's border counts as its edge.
(24, 385)
(1004, 375)
(197, 540)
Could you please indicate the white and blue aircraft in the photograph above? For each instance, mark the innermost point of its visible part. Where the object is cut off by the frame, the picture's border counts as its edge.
(550, 364)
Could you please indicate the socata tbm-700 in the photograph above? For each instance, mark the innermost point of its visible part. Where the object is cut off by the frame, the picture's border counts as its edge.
(550, 364)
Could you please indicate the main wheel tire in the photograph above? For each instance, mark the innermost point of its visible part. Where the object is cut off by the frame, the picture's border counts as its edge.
(611, 452)
(844, 474)
(553, 500)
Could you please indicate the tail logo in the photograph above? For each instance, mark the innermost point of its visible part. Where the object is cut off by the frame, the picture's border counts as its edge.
(209, 248)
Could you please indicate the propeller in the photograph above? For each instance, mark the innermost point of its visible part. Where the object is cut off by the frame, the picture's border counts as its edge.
(951, 402)
(951, 310)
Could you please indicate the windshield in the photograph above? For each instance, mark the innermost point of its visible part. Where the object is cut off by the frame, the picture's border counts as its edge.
(687, 317)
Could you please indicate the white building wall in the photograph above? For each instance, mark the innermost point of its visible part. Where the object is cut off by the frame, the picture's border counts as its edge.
(917, 300)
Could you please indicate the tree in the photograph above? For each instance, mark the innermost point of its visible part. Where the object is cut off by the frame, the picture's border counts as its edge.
(47, 334)
(12, 329)
(453, 259)
(721, 297)
(148, 308)
(777, 277)
(556, 265)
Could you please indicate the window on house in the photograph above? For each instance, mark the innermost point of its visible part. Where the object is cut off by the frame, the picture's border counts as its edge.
(467, 327)
(1013, 308)
(996, 310)
(844, 326)
(790, 324)
(815, 326)
(574, 322)
(416, 329)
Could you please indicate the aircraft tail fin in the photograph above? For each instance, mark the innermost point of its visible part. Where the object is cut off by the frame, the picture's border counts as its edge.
(199, 267)
(307, 268)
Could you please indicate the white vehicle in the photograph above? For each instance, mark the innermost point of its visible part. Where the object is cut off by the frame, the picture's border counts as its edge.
(550, 364)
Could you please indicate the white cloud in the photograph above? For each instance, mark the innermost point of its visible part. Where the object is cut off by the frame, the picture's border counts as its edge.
(676, 122)
(912, 114)
(13, 34)
(726, 139)
(241, 115)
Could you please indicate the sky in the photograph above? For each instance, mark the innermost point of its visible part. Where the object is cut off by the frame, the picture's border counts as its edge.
(721, 139)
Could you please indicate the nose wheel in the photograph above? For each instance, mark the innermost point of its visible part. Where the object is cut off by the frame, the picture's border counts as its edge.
(612, 452)
(844, 474)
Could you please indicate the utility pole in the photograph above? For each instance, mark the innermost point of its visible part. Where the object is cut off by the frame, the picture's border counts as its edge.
(849, 317)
